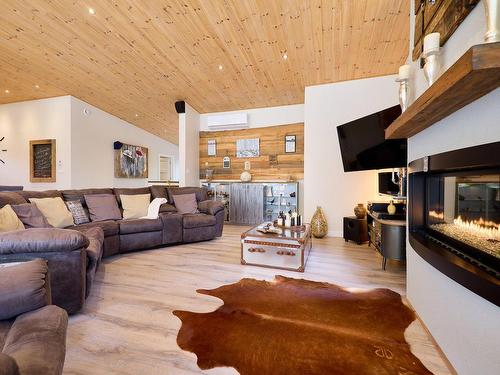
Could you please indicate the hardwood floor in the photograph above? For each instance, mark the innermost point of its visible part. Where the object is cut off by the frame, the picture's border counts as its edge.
(127, 326)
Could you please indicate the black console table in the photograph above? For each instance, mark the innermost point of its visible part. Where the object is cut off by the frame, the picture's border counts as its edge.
(387, 236)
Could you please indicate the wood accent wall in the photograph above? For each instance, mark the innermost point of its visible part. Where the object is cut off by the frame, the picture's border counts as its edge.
(263, 168)
(442, 16)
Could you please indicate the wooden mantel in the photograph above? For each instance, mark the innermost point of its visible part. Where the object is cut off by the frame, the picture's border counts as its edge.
(475, 74)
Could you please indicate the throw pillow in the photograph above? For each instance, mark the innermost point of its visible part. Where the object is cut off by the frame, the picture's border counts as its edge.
(186, 203)
(9, 220)
(23, 287)
(78, 212)
(135, 206)
(103, 207)
(55, 211)
(30, 216)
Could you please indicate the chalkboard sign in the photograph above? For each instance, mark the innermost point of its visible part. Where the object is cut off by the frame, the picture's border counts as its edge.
(43, 160)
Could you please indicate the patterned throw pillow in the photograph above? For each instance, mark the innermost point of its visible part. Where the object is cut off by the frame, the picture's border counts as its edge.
(78, 212)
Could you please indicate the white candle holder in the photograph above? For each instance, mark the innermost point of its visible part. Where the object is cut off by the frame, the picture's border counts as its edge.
(492, 10)
(403, 93)
(432, 67)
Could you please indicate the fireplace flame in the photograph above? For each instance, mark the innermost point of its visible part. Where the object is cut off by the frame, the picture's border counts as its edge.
(483, 228)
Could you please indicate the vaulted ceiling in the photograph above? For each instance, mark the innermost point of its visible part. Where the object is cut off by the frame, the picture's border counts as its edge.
(135, 58)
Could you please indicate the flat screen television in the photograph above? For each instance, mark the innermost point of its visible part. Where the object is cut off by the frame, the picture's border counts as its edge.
(385, 184)
(363, 144)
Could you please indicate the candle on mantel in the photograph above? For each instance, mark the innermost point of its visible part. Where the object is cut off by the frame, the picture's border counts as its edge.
(431, 42)
(404, 72)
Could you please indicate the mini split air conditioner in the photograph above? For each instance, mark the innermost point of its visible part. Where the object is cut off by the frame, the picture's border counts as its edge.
(233, 121)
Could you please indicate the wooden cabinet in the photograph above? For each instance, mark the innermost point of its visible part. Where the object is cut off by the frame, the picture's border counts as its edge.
(388, 237)
(246, 203)
(254, 202)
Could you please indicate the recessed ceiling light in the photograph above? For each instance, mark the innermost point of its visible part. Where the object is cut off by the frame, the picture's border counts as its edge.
(285, 56)
(37, 87)
(7, 91)
(220, 67)
(91, 11)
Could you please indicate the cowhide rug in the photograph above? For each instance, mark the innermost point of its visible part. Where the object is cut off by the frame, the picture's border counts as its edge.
(301, 327)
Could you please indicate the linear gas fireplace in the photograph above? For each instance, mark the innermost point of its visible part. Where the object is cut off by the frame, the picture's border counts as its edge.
(454, 216)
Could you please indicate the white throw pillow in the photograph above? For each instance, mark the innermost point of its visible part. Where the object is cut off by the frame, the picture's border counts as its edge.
(135, 206)
(55, 211)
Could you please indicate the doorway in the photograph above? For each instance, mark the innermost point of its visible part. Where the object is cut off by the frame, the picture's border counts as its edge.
(165, 167)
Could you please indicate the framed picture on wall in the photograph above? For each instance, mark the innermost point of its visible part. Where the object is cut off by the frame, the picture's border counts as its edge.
(247, 148)
(290, 141)
(43, 160)
(212, 147)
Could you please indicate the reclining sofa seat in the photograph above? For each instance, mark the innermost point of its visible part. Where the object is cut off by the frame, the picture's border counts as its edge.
(74, 253)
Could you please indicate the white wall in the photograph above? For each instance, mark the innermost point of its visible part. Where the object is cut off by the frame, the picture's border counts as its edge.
(92, 138)
(465, 325)
(325, 182)
(189, 155)
(262, 117)
(32, 120)
(84, 144)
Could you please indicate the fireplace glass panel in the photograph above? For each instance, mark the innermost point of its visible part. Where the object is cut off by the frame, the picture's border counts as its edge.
(466, 208)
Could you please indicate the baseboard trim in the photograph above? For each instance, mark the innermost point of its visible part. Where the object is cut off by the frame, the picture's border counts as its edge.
(439, 350)
(335, 233)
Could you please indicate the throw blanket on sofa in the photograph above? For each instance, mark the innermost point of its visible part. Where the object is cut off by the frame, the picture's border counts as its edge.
(154, 208)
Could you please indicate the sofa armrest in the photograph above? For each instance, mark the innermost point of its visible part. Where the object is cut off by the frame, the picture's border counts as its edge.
(37, 341)
(38, 240)
(210, 207)
(24, 286)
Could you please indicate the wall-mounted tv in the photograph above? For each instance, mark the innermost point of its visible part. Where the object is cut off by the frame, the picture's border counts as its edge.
(363, 144)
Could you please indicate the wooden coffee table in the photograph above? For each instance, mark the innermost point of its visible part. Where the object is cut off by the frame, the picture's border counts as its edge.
(287, 250)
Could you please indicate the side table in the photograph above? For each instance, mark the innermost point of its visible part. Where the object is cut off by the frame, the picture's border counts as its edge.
(355, 230)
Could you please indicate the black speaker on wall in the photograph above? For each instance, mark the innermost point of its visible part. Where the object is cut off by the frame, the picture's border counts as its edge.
(180, 106)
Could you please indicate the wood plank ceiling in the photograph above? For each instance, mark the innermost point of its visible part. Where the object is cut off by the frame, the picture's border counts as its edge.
(135, 58)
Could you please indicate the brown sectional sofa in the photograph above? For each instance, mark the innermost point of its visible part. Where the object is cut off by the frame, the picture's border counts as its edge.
(74, 253)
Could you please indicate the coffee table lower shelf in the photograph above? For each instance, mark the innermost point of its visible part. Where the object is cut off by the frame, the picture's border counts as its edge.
(287, 251)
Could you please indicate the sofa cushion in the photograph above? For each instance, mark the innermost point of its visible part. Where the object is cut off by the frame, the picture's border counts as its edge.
(11, 198)
(9, 220)
(109, 227)
(55, 211)
(37, 341)
(130, 191)
(135, 206)
(158, 191)
(167, 207)
(140, 225)
(22, 287)
(186, 203)
(31, 216)
(103, 207)
(79, 194)
(95, 236)
(201, 193)
(198, 220)
(80, 216)
(27, 194)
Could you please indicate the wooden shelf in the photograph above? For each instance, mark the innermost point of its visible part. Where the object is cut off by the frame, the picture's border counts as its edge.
(475, 74)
